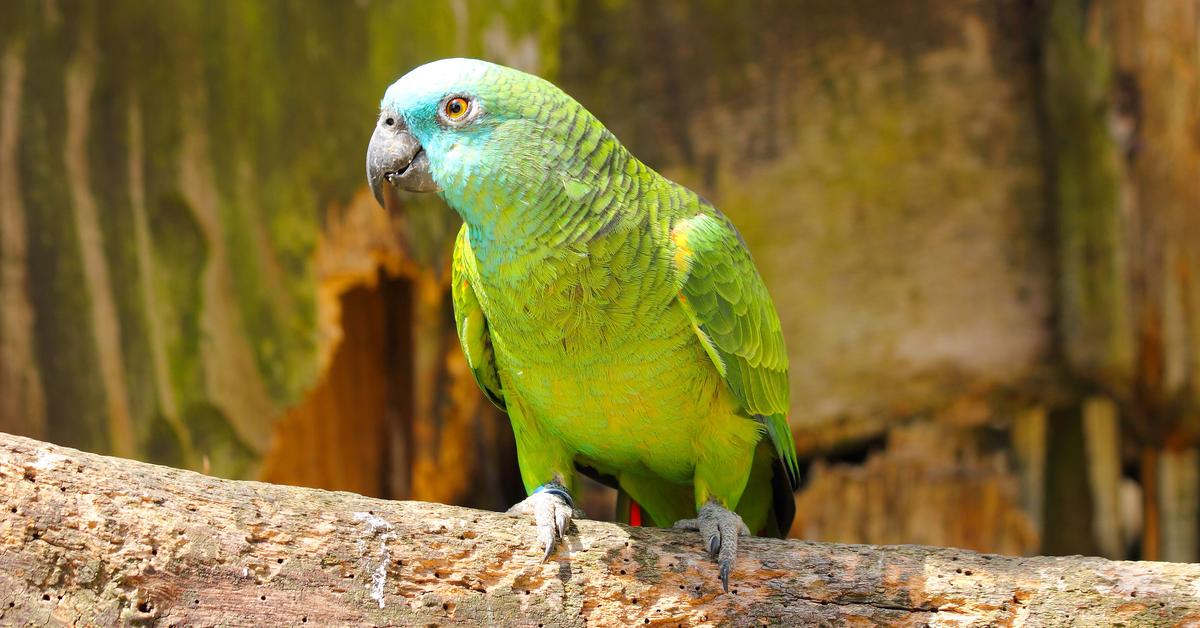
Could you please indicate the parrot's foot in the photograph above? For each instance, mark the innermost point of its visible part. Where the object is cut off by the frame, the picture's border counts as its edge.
(720, 528)
(552, 509)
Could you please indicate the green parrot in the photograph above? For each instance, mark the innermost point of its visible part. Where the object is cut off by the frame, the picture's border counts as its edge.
(616, 316)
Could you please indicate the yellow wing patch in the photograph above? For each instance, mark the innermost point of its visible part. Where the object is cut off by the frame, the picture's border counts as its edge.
(683, 265)
(683, 253)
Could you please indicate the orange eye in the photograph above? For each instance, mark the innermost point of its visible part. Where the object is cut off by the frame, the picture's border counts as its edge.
(456, 108)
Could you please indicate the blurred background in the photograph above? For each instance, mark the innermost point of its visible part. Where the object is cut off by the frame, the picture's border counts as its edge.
(980, 221)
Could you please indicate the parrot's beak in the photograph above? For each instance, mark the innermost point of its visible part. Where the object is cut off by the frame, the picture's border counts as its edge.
(396, 158)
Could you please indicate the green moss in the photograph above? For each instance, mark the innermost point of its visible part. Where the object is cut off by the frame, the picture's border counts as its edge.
(1093, 299)
(215, 440)
(108, 137)
(1067, 528)
(65, 343)
(161, 444)
(284, 95)
(181, 253)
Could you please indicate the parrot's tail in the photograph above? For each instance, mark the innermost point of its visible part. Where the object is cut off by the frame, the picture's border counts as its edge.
(783, 502)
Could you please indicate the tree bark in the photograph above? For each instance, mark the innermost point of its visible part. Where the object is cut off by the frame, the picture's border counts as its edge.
(95, 540)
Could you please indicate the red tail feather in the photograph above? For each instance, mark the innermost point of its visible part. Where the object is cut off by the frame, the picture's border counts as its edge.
(635, 514)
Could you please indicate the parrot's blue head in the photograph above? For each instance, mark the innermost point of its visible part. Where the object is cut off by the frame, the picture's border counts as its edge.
(484, 135)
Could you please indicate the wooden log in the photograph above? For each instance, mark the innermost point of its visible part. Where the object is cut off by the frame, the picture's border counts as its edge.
(94, 540)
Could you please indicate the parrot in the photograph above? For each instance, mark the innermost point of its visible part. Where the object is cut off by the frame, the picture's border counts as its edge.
(616, 316)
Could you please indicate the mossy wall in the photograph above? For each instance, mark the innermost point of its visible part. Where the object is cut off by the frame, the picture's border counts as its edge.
(173, 164)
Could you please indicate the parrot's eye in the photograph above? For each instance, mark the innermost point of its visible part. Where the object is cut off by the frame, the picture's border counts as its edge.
(456, 108)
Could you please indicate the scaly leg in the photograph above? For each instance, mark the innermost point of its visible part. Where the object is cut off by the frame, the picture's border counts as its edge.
(552, 509)
(548, 473)
(723, 466)
(720, 528)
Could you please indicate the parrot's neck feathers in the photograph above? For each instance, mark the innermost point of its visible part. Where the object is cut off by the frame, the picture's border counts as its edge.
(515, 216)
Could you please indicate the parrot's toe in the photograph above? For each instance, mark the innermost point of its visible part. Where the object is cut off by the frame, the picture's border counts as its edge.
(552, 513)
(720, 528)
(726, 567)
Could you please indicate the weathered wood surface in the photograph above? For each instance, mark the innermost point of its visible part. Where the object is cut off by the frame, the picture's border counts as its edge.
(88, 539)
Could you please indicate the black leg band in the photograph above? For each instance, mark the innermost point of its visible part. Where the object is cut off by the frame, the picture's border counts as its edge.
(554, 488)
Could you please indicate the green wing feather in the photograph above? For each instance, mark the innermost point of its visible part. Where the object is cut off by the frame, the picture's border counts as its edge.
(736, 321)
(471, 324)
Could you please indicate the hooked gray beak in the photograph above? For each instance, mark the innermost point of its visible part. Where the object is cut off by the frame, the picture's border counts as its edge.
(396, 158)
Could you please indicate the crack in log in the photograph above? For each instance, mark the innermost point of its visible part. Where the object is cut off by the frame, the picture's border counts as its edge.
(879, 605)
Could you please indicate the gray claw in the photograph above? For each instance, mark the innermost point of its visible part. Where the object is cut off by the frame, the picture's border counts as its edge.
(720, 527)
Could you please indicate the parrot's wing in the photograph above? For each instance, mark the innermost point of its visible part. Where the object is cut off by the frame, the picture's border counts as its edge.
(471, 323)
(736, 322)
